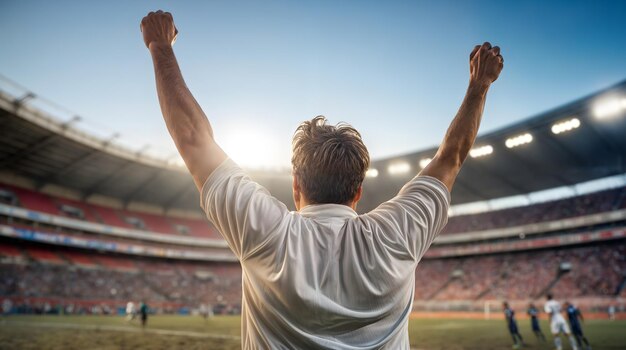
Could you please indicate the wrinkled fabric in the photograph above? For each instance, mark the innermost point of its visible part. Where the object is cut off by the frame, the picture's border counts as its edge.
(325, 277)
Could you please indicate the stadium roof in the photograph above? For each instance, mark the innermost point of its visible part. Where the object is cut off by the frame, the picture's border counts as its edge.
(577, 142)
(588, 142)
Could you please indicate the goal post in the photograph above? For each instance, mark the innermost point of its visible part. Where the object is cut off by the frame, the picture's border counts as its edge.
(488, 308)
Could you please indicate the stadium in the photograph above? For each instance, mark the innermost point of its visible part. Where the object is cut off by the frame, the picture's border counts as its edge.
(416, 224)
(87, 226)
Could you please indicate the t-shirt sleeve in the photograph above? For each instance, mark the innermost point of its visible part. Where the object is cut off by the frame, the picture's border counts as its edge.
(411, 220)
(243, 211)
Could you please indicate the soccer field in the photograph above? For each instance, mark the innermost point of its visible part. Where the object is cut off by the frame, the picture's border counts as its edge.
(189, 332)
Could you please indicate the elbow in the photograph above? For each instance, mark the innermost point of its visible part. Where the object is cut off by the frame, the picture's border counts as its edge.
(190, 137)
(451, 158)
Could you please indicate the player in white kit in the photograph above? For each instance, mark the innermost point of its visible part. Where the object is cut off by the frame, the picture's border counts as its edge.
(130, 311)
(557, 323)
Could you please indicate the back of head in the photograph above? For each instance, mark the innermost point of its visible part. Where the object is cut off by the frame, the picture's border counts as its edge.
(329, 161)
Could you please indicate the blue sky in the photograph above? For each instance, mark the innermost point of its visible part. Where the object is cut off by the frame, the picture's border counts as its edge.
(395, 70)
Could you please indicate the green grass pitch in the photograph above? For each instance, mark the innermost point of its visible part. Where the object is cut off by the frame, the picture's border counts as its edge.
(222, 332)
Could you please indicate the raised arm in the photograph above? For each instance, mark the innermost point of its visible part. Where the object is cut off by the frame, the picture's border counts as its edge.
(485, 66)
(185, 120)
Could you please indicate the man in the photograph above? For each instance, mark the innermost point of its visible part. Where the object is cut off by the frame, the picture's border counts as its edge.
(205, 311)
(143, 311)
(130, 311)
(7, 306)
(557, 323)
(322, 277)
(575, 318)
(533, 313)
(611, 312)
(509, 315)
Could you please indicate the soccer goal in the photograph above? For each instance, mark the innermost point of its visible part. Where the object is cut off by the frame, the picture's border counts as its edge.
(489, 307)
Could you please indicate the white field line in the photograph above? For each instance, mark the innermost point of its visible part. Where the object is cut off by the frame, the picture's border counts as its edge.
(124, 329)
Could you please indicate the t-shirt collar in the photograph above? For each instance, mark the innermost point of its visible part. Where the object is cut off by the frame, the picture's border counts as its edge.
(328, 211)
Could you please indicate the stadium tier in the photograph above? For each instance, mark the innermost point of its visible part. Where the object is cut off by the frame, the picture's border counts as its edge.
(598, 202)
(59, 206)
(33, 277)
(30, 277)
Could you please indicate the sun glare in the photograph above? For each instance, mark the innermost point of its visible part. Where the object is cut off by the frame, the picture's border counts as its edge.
(252, 148)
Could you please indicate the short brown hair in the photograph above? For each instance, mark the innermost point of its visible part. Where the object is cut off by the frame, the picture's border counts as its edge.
(329, 161)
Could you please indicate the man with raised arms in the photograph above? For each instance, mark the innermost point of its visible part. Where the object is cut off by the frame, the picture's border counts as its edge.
(322, 277)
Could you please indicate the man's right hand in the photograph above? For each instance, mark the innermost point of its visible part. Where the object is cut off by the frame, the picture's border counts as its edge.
(158, 28)
(486, 63)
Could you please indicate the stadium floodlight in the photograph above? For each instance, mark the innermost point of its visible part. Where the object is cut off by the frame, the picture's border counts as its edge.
(481, 151)
(609, 107)
(565, 125)
(372, 173)
(399, 168)
(518, 140)
(424, 162)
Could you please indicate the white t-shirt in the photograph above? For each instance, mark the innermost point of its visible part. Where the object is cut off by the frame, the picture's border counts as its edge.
(130, 307)
(553, 308)
(325, 277)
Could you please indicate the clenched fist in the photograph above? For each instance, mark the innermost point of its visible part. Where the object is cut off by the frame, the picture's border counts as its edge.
(158, 28)
(486, 63)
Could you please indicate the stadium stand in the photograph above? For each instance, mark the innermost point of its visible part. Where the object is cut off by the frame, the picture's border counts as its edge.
(598, 202)
(33, 200)
(596, 270)
(44, 256)
(73, 239)
(111, 217)
(56, 205)
(80, 259)
(116, 263)
(10, 251)
(102, 279)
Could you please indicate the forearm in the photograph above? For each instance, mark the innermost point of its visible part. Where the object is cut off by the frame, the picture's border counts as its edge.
(462, 131)
(183, 116)
(186, 122)
(485, 66)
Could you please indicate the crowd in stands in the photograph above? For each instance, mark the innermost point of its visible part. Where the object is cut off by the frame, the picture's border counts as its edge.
(44, 279)
(592, 203)
(596, 270)
(71, 277)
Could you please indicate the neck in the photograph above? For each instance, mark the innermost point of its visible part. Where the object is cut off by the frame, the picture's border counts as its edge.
(304, 203)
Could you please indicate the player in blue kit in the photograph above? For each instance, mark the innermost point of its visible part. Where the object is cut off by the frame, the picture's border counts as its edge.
(509, 314)
(575, 318)
(533, 313)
